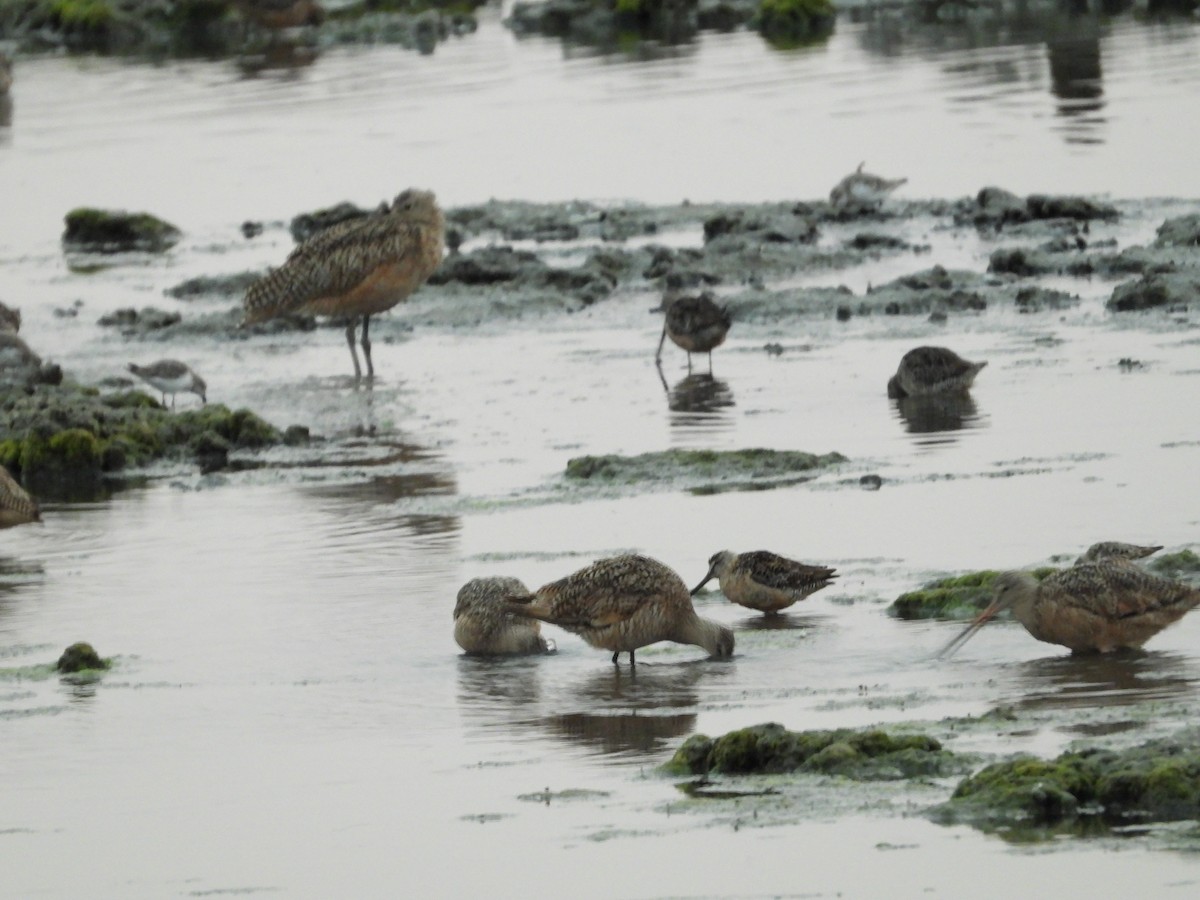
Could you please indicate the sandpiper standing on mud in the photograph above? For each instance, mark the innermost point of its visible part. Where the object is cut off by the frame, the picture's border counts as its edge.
(356, 269)
(925, 371)
(763, 580)
(696, 324)
(483, 626)
(623, 603)
(170, 376)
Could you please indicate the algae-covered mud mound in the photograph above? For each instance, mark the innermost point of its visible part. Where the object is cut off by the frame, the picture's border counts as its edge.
(958, 597)
(1156, 782)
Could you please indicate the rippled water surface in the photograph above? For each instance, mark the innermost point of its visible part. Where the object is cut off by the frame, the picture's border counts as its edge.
(288, 713)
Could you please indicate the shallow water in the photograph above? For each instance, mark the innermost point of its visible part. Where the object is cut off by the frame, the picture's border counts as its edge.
(289, 714)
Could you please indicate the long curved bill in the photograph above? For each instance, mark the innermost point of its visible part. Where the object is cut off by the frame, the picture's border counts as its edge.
(707, 579)
(965, 635)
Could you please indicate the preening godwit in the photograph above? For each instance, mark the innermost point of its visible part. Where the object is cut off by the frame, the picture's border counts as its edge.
(696, 324)
(763, 580)
(170, 376)
(863, 190)
(1094, 607)
(924, 371)
(16, 506)
(623, 603)
(1116, 550)
(483, 626)
(356, 268)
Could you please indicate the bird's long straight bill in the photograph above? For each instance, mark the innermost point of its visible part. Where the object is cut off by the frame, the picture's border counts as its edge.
(963, 636)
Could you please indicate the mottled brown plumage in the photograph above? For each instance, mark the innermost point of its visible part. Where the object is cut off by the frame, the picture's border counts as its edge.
(483, 626)
(356, 268)
(763, 580)
(1094, 607)
(932, 370)
(1116, 550)
(16, 506)
(623, 603)
(696, 324)
(862, 190)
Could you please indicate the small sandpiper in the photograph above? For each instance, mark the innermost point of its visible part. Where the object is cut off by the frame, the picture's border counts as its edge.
(1116, 550)
(170, 376)
(484, 627)
(932, 370)
(696, 324)
(763, 580)
(863, 191)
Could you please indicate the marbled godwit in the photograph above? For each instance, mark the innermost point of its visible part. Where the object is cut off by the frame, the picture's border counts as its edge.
(484, 627)
(356, 268)
(16, 506)
(863, 190)
(170, 376)
(623, 603)
(695, 324)
(764, 581)
(1094, 607)
(924, 371)
(1115, 550)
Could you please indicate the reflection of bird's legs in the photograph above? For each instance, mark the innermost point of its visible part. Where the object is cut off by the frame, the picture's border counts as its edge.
(353, 352)
(662, 377)
(366, 345)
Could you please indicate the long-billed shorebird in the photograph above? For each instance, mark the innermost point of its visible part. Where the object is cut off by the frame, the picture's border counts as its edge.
(763, 580)
(356, 268)
(1116, 550)
(694, 323)
(1094, 607)
(924, 371)
(16, 506)
(623, 603)
(483, 626)
(862, 190)
(170, 376)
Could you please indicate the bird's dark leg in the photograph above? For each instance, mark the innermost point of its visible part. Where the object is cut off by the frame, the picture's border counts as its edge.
(658, 353)
(709, 362)
(689, 353)
(353, 352)
(366, 345)
(615, 655)
(631, 659)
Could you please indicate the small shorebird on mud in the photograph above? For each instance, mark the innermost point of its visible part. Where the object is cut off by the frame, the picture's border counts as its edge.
(863, 191)
(170, 376)
(623, 603)
(763, 580)
(484, 627)
(356, 268)
(1116, 550)
(16, 506)
(1095, 607)
(696, 324)
(925, 371)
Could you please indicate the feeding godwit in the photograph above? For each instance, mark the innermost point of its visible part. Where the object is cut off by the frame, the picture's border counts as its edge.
(924, 371)
(483, 626)
(1115, 550)
(763, 580)
(356, 268)
(623, 603)
(1094, 607)
(16, 506)
(863, 190)
(695, 324)
(170, 376)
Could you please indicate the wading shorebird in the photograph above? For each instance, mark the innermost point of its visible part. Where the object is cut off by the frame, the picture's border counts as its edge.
(1094, 607)
(764, 581)
(623, 603)
(484, 627)
(1116, 550)
(16, 506)
(932, 370)
(696, 324)
(356, 268)
(170, 376)
(862, 190)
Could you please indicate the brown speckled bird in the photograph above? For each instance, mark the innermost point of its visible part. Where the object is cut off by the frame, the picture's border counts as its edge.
(696, 324)
(484, 627)
(763, 580)
(1116, 550)
(623, 603)
(1094, 607)
(16, 506)
(356, 268)
(932, 370)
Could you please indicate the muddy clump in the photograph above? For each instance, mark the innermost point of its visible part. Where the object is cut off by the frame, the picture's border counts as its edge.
(704, 471)
(959, 597)
(80, 657)
(1173, 290)
(770, 749)
(92, 230)
(1182, 566)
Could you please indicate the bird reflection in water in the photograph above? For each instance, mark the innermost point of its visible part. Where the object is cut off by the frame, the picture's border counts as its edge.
(502, 683)
(699, 401)
(285, 57)
(1125, 678)
(939, 414)
(1076, 79)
